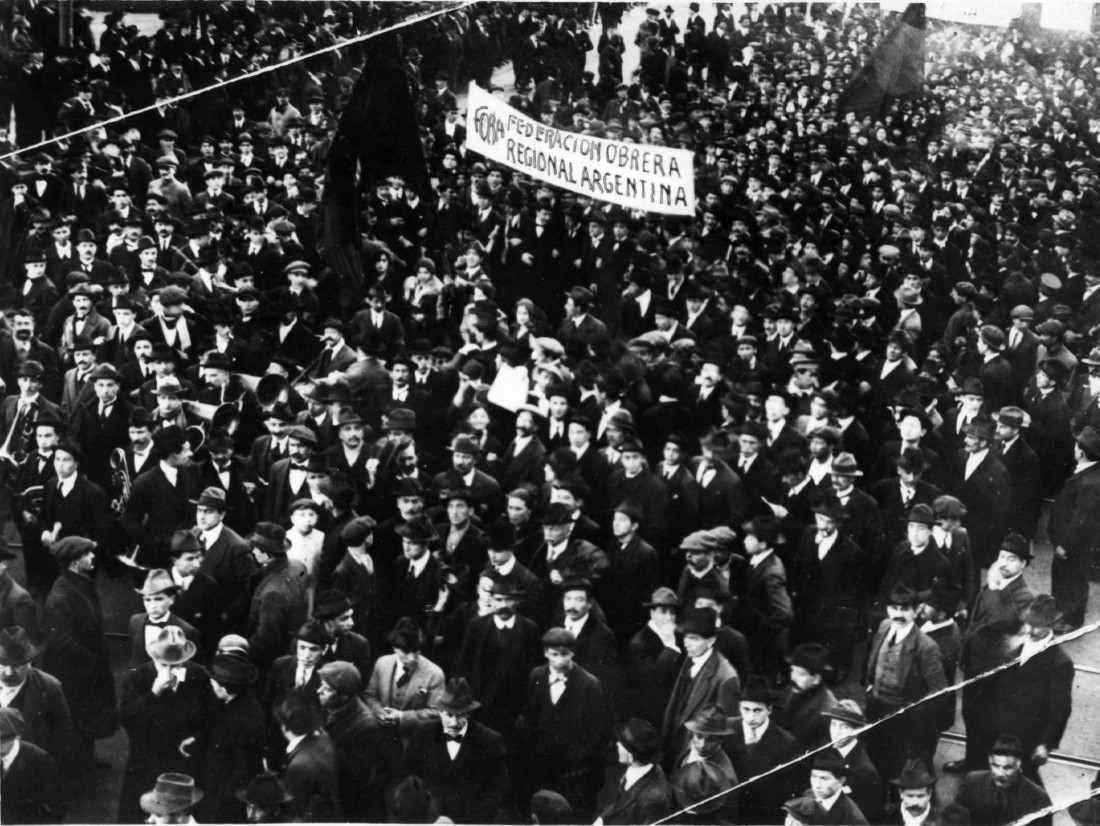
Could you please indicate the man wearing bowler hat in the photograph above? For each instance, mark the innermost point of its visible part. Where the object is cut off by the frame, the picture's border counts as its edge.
(980, 480)
(828, 780)
(337, 613)
(231, 747)
(916, 789)
(763, 611)
(414, 576)
(995, 618)
(644, 794)
(705, 677)
(461, 759)
(487, 500)
(226, 558)
(160, 498)
(916, 562)
(279, 600)
(72, 504)
(1034, 700)
(266, 799)
(1073, 540)
(30, 791)
(1001, 794)
(162, 704)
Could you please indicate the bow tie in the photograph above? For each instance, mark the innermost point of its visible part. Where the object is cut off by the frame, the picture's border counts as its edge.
(454, 738)
(557, 678)
(297, 466)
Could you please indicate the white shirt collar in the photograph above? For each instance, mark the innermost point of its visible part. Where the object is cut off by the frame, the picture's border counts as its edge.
(9, 758)
(66, 486)
(756, 559)
(507, 567)
(171, 472)
(899, 634)
(502, 624)
(749, 731)
(634, 774)
(211, 536)
(417, 566)
(577, 626)
(294, 741)
(828, 803)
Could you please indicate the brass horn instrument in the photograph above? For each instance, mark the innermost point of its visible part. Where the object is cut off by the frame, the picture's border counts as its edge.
(120, 480)
(17, 446)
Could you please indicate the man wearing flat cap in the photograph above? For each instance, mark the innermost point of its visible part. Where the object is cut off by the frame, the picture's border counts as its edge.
(76, 650)
(162, 704)
(1072, 529)
(461, 759)
(566, 726)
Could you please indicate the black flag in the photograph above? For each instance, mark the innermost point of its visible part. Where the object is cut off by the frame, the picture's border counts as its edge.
(895, 70)
(377, 136)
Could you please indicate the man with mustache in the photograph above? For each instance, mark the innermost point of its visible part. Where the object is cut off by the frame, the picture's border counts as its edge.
(1001, 794)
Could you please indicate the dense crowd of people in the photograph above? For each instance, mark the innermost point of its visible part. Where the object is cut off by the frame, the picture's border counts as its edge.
(573, 512)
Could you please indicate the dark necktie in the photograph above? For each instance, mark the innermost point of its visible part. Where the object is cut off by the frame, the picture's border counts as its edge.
(403, 680)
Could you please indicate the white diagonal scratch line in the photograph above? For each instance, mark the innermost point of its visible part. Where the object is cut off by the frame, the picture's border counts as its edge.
(1080, 632)
(1052, 809)
(459, 4)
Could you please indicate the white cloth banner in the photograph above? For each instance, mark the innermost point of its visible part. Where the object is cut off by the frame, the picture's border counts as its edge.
(633, 175)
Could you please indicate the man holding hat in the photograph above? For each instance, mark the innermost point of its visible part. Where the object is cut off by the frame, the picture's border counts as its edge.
(996, 617)
(644, 794)
(30, 791)
(163, 703)
(157, 593)
(462, 760)
(567, 726)
(76, 650)
(1034, 701)
(1072, 532)
(279, 599)
(1001, 794)
(160, 498)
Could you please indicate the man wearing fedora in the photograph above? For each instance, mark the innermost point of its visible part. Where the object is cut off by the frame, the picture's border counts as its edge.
(903, 667)
(1034, 700)
(644, 794)
(709, 727)
(566, 725)
(757, 746)
(497, 654)
(160, 499)
(266, 799)
(980, 480)
(864, 783)
(721, 494)
(652, 660)
(1001, 794)
(916, 562)
(102, 424)
(705, 678)
(76, 649)
(916, 791)
(162, 704)
(226, 556)
(1022, 466)
(158, 593)
(279, 601)
(486, 491)
(36, 694)
(414, 578)
(462, 760)
(298, 671)
(763, 612)
(1074, 543)
(995, 617)
(171, 799)
(30, 789)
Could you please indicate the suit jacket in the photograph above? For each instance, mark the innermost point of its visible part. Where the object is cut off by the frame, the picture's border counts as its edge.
(722, 500)
(98, 437)
(311, 777)
(986, 495)
(920, 666)
(994, 616)
(417, 700)
(716, 682)
(84, 512)
(526, 466)
(391, 334)
(281, 679)
(647, 801)
(1034, 699)
(474, 785)
(801, 714)
(38, 351)
(138, 654)
(278, 609)
(279, 495)
(763, 611)
(684, 499)
(844, 812)
(1022, 466)
(1071, 522)
(497, 663)
(49, 723)
(977, 795)
(572, 732)
(31, 791)
(229, 562)
(157, 509)
(761, 801)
